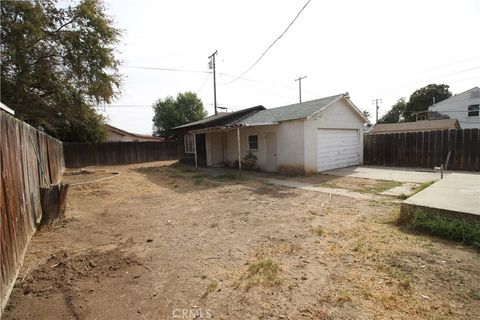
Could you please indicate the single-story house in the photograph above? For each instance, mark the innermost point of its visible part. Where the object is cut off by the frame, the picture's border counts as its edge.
(423, 125)
(115, 134)
(305, 137)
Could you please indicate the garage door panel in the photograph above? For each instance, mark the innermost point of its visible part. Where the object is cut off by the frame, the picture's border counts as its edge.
(337, 148)
(337, 158)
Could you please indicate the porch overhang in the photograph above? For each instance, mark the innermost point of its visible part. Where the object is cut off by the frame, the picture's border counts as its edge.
(236, 127)
(228, 128)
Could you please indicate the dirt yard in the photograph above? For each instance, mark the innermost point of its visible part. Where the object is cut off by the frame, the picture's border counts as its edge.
(161, 241)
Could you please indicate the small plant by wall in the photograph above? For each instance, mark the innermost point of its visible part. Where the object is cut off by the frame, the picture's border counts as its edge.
(250, 161)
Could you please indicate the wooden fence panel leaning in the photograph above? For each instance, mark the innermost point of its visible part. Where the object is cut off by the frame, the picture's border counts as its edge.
(115, 153)
(455, 149)
(29, 160)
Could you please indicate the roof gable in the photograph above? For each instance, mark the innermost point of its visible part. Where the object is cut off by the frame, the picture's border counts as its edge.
(466, 95)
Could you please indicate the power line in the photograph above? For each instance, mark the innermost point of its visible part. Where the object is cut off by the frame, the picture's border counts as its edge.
(438, 67)
(273, 43)
(431, 79)
(203, 84)
(165, 69)
(128, 106)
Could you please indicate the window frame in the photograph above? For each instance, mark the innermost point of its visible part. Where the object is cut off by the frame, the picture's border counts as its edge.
(249, 143)
(477, 111)
(189, 142)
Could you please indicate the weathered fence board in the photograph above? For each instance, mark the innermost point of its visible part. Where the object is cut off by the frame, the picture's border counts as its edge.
(114, 153)
(425, 149)
(29, 159)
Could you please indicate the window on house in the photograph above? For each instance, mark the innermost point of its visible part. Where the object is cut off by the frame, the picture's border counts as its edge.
(474, 110)
(253, 142)
(189, 143)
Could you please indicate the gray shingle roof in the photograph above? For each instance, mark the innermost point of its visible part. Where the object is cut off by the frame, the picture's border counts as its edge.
(290, 112)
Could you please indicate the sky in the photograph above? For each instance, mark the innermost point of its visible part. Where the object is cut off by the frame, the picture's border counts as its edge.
(370, 49)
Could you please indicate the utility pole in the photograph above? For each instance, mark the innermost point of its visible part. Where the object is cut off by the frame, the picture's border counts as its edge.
(211, 65)
(299, 79)
(376, 108)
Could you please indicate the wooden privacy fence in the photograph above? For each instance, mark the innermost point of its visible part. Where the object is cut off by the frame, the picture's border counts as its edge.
(113, 153)
(29, 159)
(456, 149)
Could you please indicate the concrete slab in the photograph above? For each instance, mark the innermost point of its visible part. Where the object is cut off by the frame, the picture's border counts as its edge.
(456, 194)
(386, 173)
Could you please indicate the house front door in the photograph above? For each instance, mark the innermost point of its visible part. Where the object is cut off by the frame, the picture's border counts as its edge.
(271, 150)
(201, 149)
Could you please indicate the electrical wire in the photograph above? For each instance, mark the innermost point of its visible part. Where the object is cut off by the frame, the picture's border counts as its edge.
(437, 67)
(165, 69)
(427, 80)
(271, 45)
(204, 83)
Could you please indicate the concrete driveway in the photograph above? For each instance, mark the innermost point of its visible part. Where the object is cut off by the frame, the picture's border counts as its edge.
(386, 173)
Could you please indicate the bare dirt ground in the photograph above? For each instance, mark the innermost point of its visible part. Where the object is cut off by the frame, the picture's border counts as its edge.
(83, 176)
(161, 241)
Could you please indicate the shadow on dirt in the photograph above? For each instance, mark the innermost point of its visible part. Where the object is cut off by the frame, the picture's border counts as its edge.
(182, 178)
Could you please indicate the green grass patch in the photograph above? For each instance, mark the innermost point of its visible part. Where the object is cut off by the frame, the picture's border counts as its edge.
(446, 227)
(262, 272)
(212, 286)
(381, 186)
(404, 280)
(328, 185)
(417, 190)
(318, 230)
(423, 186)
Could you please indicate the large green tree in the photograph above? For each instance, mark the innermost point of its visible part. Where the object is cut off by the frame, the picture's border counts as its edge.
(58, 64)
(395, 114)
(424, 97)
(171, 112)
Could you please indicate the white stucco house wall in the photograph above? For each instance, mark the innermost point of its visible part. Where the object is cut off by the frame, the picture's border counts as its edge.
(306, 137)
(464, 106)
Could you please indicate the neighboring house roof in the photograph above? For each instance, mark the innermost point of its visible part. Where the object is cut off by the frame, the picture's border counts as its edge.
(424, 125)
(222, 118)
(135, 135)
(469, 94)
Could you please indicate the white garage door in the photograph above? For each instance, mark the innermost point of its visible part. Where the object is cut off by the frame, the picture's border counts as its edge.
(337, 148)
